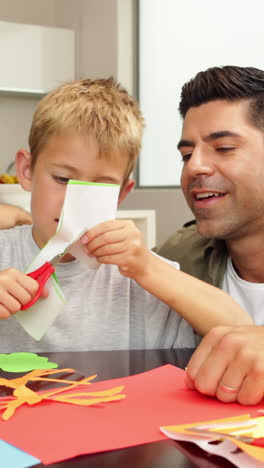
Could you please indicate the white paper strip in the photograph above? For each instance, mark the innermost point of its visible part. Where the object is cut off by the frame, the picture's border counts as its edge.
(85, 205)
(225, 449)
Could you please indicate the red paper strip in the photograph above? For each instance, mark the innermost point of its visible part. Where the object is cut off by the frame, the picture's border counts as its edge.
(56, 431)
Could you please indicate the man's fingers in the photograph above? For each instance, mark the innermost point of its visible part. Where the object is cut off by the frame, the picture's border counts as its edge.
(229, 364)
(251, 391)
(188, 382)
(244, 374)
(221, 365)
(232, 380)
(204, 349)
(241, 382)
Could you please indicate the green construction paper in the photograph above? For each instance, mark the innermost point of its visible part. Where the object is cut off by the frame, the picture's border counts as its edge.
(24, 362)
(80, 182)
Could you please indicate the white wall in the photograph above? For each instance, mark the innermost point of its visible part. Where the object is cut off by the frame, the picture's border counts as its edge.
(104, 32)
(177, 40)
(106, 44)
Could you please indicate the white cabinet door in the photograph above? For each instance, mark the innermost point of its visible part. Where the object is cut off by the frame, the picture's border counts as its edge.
(35, 58)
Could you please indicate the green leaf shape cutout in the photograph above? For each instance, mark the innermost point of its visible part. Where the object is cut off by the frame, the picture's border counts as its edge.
(24, 362)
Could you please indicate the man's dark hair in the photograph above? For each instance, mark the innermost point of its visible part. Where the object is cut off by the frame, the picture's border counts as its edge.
(229, 83)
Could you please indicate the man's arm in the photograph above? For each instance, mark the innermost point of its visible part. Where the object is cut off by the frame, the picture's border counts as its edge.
(229, 364)
(11, 216)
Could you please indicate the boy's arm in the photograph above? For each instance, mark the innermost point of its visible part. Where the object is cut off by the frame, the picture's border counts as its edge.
(11, 216)
(202, 305)
(119, 242)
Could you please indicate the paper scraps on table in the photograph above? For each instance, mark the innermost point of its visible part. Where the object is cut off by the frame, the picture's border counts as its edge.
(12, 457)
(24, 395)
(24, 362)
(155, 398)
(230, 430)
(85, 205)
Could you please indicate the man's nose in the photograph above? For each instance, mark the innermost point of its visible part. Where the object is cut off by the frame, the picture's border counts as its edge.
(200, 163)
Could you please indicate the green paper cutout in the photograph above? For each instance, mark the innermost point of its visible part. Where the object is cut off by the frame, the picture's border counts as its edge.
(24, 362)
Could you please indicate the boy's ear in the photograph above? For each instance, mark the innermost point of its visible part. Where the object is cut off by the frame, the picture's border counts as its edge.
(126, 188)
(23, 169)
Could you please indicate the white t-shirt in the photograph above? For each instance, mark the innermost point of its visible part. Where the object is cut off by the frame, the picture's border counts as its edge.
(249, 295)
(103, 311)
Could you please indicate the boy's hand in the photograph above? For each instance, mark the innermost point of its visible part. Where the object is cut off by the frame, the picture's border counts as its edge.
(118, 242)
(16, 289)
(11, 216)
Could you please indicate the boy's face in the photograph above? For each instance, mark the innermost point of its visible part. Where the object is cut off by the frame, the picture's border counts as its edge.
(69, 156)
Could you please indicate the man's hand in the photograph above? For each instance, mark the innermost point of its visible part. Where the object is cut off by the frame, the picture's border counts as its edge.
(118, 242)
(16, 289)
(229, 364)
(11, 216)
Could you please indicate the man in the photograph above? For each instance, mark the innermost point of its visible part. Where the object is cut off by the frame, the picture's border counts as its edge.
(222, 147)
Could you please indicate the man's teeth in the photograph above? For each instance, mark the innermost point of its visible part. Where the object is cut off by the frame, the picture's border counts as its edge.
(207, 194)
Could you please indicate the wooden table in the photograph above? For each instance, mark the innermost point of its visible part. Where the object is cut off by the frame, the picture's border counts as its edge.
(115, 364)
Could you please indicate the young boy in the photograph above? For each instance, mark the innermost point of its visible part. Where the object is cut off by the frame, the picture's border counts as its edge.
(91, 131)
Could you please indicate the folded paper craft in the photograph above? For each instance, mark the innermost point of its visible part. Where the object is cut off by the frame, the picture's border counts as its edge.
(252, 453)
(86, 204)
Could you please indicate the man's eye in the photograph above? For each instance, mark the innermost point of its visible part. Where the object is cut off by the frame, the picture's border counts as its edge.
(223, 149)
(61, 180)
(186, 157)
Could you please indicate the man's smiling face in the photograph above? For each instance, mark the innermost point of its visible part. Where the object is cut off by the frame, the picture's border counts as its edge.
(223, 173)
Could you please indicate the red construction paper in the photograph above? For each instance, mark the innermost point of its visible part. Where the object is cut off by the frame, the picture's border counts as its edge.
(53, 431)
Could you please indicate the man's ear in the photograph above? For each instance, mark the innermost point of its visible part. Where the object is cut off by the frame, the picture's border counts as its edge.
(23, 169)
(126, 188)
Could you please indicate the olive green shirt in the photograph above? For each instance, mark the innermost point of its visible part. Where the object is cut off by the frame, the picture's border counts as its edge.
(203, 258)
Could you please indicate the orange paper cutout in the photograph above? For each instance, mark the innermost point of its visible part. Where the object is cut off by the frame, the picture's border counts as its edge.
(23, 394)
(252, 450)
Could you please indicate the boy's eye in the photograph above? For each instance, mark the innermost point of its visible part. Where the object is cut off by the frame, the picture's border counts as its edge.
(61, 180)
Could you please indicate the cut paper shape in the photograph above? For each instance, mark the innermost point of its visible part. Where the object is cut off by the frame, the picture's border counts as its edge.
(12, 457)
(153, 399)
(23, 394)
(232, 453)
(252, 455)
(85, 205)
(24, 362)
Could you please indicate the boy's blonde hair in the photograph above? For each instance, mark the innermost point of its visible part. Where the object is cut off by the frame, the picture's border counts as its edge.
(100, 108)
